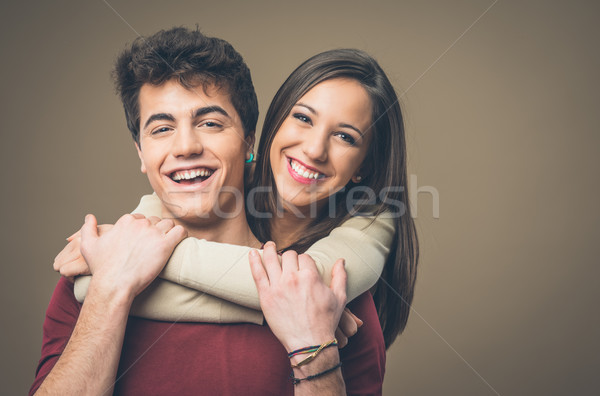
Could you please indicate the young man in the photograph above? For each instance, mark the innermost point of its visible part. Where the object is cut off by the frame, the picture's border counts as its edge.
(191, 108)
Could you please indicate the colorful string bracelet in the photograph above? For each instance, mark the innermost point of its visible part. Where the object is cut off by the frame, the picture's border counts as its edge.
(311, 349)
(313, 355)
(296, 381)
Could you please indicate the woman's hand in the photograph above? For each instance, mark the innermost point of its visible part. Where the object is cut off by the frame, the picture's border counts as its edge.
(348, 326)
(300, 309)
(69, 262)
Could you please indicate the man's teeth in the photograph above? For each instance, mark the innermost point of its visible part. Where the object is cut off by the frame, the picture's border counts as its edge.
(302, 171)
(187, 175)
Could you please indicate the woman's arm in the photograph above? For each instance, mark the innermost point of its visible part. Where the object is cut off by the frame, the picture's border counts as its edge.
(168, 301)
(223, 271)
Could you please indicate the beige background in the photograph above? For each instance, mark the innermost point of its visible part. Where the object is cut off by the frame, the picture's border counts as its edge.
(504, 124)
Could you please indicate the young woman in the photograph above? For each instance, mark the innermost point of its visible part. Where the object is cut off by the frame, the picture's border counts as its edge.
(330, 181)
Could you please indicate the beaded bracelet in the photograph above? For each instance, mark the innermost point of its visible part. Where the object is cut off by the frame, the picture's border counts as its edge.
(310, 357)
(310, 349)
(296, 381)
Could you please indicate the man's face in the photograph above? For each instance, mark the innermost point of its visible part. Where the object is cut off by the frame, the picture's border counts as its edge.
(193, 150)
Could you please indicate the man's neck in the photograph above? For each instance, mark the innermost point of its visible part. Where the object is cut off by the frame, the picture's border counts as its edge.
(234, 230)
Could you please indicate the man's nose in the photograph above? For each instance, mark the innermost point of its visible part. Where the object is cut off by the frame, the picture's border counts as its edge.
(316, 145)
(187, 143)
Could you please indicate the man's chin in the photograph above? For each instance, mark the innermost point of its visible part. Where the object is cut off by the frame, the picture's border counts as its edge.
(187, 213)
(177, 205)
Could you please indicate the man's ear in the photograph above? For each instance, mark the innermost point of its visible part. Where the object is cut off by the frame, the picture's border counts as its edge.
(139, 151)
(250, 139)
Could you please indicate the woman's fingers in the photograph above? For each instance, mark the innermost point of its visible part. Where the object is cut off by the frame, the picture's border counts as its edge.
(75, 235)
(347, 326)
(358, 321)
(341, 338)
(75, 267)
(68, 254)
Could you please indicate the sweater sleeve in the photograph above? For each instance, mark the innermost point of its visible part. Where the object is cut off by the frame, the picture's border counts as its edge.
(169, 301)
(223, 270)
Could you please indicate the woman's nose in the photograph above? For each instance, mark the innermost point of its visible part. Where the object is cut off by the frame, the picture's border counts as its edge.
(316, 146)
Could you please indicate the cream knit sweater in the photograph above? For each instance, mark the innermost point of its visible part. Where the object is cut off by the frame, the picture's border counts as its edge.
(211, 282)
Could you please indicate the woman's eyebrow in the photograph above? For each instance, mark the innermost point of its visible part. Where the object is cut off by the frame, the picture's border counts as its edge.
(307, 107)
(342, 125)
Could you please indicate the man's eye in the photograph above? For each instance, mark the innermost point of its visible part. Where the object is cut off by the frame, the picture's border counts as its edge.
(210, 124)
(161, 130)
(303, 118)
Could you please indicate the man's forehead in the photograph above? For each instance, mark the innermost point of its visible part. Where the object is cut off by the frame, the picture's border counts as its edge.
(174, 97)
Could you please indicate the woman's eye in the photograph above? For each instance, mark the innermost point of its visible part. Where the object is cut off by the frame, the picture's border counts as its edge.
(303, 118)
(346, 138)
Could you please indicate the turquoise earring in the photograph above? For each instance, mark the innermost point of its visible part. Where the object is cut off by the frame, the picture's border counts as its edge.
(250, 159)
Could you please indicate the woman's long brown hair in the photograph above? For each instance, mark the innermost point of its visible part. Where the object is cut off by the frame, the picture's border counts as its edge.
(384, 169)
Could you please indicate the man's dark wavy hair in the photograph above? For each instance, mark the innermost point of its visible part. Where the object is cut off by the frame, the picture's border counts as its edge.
(192, 58)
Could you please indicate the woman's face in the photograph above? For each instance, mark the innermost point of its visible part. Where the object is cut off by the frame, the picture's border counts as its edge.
(322, 143)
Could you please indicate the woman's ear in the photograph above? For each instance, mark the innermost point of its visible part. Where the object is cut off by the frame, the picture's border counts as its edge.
(357, 178)
(364, 169)
(139, 151)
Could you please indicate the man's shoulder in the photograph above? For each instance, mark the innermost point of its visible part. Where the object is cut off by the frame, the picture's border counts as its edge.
(63, 300)
(364, 357)
(369, 335)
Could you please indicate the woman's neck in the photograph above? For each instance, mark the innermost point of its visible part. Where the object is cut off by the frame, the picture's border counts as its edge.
(287, 228)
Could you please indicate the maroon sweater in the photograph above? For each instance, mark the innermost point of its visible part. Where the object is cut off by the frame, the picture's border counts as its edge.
(164, 358)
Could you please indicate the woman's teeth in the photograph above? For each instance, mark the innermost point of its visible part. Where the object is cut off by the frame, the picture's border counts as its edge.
(191, 174)
(302, 171)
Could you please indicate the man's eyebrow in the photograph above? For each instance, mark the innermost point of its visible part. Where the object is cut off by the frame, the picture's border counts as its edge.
(159, 117)
(196, 113)
(210, 109)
